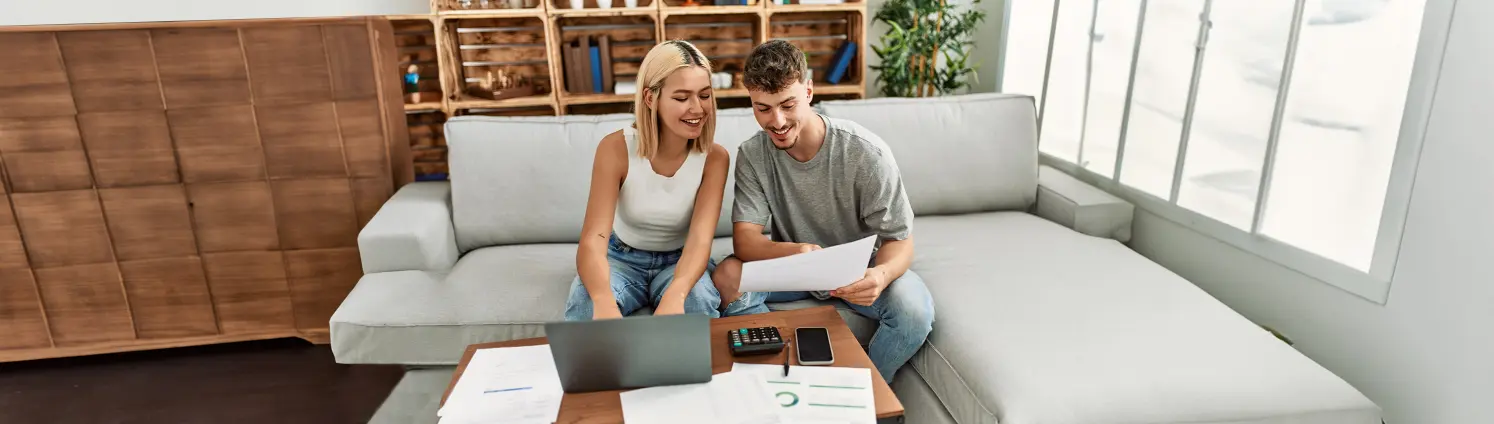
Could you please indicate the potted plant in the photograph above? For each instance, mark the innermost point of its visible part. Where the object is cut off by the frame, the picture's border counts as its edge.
(926, 49)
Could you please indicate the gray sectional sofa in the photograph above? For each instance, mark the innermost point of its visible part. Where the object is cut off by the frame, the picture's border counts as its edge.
(1044, 316)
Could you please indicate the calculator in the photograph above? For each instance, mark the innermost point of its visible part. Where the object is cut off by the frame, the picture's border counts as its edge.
(752, 341)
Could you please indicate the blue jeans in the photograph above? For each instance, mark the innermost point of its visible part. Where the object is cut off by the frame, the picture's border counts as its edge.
(904, 313)
(639, 278)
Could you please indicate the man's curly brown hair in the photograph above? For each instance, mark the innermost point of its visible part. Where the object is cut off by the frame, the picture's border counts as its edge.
(773, 66)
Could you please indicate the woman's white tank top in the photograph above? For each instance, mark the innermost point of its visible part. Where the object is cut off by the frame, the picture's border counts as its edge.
(653, 211)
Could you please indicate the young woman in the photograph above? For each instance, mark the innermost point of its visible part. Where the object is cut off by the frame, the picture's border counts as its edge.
(656, 190)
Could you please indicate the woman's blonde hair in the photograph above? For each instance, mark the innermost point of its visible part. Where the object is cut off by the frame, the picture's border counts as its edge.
(661, 62)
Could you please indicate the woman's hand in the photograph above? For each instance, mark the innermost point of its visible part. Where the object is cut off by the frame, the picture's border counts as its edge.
(605, 311)
(670, 307)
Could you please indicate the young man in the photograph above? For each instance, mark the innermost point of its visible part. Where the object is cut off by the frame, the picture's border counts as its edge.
(823, 182)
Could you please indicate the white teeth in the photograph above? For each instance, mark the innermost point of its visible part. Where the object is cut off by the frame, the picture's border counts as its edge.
(692, 121)
(781, 132)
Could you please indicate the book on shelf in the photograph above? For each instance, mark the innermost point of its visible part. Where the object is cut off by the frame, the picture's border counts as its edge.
(595, 54)
(840, 62)
(605, 42)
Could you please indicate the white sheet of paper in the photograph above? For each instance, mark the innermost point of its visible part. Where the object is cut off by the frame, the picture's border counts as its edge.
(730, 398)
(825, 269)
(818, 394)
(508, 385)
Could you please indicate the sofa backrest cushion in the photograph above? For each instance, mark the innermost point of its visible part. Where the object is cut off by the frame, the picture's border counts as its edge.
(526, 179)
(957, 154)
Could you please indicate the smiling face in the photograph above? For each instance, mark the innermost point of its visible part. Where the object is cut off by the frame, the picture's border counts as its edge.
(781, 113)
(684, 102)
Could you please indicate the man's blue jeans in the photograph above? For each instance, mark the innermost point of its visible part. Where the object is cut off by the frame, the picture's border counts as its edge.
(904, 311)
(639, 278)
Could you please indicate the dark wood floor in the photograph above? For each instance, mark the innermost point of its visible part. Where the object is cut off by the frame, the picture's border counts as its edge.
(273, 381)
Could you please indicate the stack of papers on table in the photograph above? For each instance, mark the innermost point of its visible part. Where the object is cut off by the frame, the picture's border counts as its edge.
(730, 398)
(506, 385)
(818, 394)
(759, 394)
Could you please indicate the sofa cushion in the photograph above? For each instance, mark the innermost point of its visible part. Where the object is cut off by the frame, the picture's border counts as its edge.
(957, 154)
(1040, 324)
(521, 180)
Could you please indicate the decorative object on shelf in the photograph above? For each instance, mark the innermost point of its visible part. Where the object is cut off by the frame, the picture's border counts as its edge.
(465, 4)
(626, 85)
(578, 4)
(503, 86)
(604, 4)
(690, 3)
(721, 80)
(412, 83)
(920, 33)
(630, 3)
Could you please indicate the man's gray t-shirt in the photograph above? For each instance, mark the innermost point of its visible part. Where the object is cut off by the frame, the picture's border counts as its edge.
(851, 189)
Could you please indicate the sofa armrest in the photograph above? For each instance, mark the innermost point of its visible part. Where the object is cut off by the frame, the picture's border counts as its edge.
(411, 232)
(1084, 208)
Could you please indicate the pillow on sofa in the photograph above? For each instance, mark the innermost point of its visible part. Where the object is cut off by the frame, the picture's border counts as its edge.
(957, 154)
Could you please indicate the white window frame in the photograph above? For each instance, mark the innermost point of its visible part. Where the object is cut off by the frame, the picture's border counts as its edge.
(1373, 285)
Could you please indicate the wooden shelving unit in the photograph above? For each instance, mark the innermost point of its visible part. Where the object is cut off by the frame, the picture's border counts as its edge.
(459, 42)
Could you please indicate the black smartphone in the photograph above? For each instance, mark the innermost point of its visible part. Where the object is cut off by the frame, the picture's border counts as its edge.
(813, 344)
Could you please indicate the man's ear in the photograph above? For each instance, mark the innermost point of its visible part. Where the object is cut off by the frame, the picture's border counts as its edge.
(808, 90)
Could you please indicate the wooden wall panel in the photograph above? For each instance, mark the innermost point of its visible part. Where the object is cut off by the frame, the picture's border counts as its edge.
(362, 138)
(315, 214)
(233, 216)
(44, 154)
(319, 280)
(85, 304)
(176, 184)
(217, 144)
(129, 148)
(301, 140)
(287, 65)
(351, 62)
(369, 194)
(149, 222)
(12, 252)
(169, 297)
(62, 228)
(250, 292)
(201, 66)
(111, 70)
(21, 320)
(35, 83)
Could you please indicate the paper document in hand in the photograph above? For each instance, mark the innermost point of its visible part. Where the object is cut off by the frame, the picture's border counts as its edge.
(818, 394)
(515, 384)
(730, 398)
(825, 269)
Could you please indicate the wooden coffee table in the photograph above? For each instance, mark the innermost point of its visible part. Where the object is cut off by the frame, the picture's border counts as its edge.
(605, 407)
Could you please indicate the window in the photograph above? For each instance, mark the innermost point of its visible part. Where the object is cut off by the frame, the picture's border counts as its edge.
(1286, 127)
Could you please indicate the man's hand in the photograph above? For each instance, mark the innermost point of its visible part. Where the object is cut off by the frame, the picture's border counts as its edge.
(670, 307)
(865, 291)
(605, 311)
(806, 247)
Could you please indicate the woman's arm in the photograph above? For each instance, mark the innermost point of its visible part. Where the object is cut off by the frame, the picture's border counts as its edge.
(692, 262)
(609, 168)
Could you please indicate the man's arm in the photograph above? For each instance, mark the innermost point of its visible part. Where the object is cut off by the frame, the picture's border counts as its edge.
(750, 213)
(750, 244)
(885, 208)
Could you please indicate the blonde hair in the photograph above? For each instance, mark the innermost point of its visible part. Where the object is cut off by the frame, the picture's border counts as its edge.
(661, 62)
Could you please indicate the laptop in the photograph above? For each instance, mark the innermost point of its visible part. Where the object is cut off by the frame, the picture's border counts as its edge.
(632, 352)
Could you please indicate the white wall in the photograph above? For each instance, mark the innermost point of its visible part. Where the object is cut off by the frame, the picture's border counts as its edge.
(46, 12)
(1427, 356)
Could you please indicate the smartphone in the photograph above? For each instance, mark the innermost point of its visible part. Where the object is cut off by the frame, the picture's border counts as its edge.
(813, 344)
